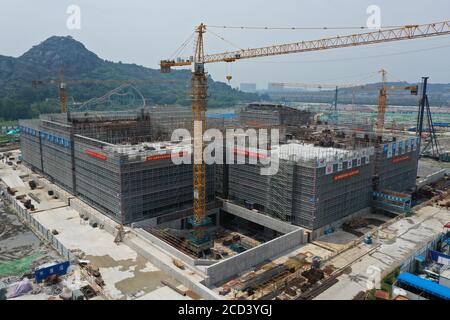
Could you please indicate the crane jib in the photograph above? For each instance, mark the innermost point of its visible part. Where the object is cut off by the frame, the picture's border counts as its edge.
(405, 33)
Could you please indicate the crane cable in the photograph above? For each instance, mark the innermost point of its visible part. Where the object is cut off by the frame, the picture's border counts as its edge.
(183, 46)
(225, 40)
(302, 28)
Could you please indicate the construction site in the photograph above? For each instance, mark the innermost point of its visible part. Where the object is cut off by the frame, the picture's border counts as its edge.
(225, 231)
(323, 180)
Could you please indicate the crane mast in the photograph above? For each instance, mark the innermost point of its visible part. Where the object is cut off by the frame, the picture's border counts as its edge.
(382, 101)
(62, 91)
(381, 105)
(199, 107)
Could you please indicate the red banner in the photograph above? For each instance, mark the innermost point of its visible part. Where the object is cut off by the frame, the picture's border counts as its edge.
(346, 175)
(167, 156)
(400, 159)
(96, 155)
(249, 153)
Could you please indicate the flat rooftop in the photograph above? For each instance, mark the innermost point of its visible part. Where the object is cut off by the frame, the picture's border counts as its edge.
(150, 148)
(297, 151)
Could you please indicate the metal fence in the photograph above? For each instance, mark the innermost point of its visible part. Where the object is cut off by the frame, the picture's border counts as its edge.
(37, 227)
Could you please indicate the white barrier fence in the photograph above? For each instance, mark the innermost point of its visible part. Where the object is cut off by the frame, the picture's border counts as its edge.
(36, 226)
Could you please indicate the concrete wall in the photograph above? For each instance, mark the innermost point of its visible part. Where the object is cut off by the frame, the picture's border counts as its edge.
(176, 273)
(431, 178)
(259, 218)
(225, 269)
(165, 247)
(321, 231)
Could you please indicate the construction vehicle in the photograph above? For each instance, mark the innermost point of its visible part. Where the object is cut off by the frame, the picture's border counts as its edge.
(200, 87)
(369, 239)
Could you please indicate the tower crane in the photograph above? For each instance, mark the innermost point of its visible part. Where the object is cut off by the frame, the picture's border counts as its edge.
(382, 101)
(200, 87)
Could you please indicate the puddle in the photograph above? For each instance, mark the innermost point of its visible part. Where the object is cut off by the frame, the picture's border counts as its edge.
(144, 277)
(145, 281)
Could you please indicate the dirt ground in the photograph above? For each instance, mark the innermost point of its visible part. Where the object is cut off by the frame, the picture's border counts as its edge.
(20, 249)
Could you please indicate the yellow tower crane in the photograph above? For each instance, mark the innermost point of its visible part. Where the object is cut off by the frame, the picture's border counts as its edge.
(382, 101)
(199, 81)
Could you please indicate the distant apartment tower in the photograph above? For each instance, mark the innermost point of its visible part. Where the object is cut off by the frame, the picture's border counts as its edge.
(275, 87)
(248, 87)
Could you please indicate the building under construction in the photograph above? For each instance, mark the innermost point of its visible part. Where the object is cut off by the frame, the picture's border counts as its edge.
(317, 187)
(121, 163)
(263, 115)
(111, 160)
(114, 161)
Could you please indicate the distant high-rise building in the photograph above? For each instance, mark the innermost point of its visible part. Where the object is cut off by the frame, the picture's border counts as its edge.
(248, 87)
(275, 87)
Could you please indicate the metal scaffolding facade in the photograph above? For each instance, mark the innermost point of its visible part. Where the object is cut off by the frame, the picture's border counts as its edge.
(398, 171)
(270, 115)
(30, 143)
(116, 175)
(302, 191)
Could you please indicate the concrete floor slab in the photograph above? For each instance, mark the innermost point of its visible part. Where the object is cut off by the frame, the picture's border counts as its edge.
(123, 271)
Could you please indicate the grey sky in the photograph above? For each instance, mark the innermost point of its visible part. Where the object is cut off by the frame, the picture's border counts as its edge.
(145, 31)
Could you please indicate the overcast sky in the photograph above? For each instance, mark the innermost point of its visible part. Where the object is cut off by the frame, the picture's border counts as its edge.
(145, 31)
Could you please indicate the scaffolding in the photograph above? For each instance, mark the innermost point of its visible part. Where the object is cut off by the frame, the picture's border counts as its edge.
(265, 115)
(397, 163)
(109, 160)
(314, 186)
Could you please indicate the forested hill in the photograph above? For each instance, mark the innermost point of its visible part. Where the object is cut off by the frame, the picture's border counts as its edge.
(19, 99)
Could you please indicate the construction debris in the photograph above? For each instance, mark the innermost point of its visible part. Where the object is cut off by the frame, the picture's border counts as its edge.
(178, 264)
